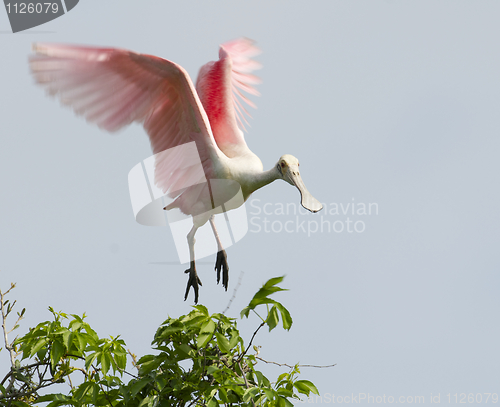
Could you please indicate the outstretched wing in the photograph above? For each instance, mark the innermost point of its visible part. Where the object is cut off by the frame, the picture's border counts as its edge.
(113, 88)
(220, 85)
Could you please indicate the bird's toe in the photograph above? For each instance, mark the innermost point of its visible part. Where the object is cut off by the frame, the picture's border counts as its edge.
(193, 281)
(221, 265)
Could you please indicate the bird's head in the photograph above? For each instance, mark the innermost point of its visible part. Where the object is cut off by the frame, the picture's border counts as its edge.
(288, 168)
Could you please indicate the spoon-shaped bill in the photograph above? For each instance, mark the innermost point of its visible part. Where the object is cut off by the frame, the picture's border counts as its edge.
(307, 200)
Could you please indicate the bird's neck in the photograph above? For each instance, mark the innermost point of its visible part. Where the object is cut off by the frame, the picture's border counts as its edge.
(263, 178)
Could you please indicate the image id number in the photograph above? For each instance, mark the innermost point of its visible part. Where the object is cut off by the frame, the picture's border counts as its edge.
(30, 8)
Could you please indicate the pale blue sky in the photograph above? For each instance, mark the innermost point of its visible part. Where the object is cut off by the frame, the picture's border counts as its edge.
(386, 102)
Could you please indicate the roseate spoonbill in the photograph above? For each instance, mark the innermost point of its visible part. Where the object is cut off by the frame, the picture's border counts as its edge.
(115, 87)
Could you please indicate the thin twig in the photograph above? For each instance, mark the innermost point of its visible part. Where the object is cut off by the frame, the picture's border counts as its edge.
(291, 367)
(250, 343)
(16, 394)
(246, 382)
(194, 401)
(20, 317)
(22, 368)
(240, 278)
(8, 346)
(134, 359)
(12, 286)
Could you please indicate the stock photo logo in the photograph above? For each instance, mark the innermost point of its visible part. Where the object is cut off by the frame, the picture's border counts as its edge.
(24, 15)
(337, 217)
(185, 170)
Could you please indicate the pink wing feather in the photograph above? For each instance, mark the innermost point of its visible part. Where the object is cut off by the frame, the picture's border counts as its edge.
(113, 88)
(219, 87)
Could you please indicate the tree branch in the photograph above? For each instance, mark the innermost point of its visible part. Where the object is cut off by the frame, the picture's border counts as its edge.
(250, 343)
(240, 277)
(246, 381)
(8, 346)
(291, 367)
(4, 327)
(21, 368)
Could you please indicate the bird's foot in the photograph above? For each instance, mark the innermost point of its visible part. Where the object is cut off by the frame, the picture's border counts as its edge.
(221, 264)
(193, 281)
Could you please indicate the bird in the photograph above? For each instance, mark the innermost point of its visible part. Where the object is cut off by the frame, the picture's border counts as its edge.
(114, 87)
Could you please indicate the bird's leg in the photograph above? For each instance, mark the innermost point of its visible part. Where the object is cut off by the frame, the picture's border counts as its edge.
(221, 261)
(193, 281)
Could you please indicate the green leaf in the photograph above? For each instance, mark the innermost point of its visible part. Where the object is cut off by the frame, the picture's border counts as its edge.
(272, 282)
(262, 380)
(223, 395)
(261, 297)
(94, 392)
(203, 339)
(202, 309)
(68, 339)
(305, 387)
(138, 385)
(270, 394)
(105, 362)
(56, 353)
(57, 399)
(165, 332)
(89, 339)
(41, 342)
(282, 401)
(147, 366)
(89, 359)
(254, 303)
(41, 353)
(80, 341)
(285, 392)
(235, 338)
(145, 401)
(245, 312)
(212, 369)
(270, 287)
(194, 318)
(38, 331)
(146, 358)
(250, 393)
(82, 390)
(238, 390)
(206, 333)
(112, 361)
(121, 359)
(272, 318)
(281, 377)
(184, 348)
(60, 331)
(91, 333)
(17, 375)
(78, 318)
(75, 325)
(223, 343)
(162, 378)
(285, 316)
(208, 327)
(212, 403)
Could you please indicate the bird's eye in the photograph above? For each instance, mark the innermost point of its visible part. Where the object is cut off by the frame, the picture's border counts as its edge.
(282, 165)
